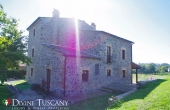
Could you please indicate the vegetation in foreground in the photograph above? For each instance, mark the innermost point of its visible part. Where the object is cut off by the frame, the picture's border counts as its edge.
(97, 103)
(154, 96)
(4, 93)
(12, 46)
(21, 84)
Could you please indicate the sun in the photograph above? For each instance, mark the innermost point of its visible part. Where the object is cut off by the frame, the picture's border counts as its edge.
(81, 9)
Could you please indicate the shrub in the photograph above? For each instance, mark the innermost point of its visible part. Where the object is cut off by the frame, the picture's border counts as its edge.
(140, 84)
(117, 104)
(20, 74)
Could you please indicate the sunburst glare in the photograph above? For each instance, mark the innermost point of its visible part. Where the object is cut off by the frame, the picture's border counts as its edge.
(77, 42)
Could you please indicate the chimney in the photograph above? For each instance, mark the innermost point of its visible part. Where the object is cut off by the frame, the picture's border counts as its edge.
(56, 13)
(93, 26)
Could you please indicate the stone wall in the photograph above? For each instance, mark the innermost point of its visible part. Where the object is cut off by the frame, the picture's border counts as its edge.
(61, 31)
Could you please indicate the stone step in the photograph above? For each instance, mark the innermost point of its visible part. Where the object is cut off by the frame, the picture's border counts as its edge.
(121, 87)
(106, 89)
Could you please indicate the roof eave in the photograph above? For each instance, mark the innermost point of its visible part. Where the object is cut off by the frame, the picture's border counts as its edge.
(39, 18)
(81, 56)
(118, 37)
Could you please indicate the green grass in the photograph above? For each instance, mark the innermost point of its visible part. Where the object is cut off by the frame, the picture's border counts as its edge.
(21, 84)
(154, 96)
(4, 93)
(97, 103)
(145, 77)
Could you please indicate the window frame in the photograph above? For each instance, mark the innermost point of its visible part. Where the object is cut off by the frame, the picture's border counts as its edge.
(32, 52)
(34, 32)
(32, 70)
(83, 72)
(123, 54)
(123, 73)
(108, 72)
(96, 69)
(108, 54)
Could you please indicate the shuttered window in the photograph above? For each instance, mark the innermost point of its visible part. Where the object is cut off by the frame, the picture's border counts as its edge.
(123, 54)
(123, 73)
(32, 52)
(85, 75)
(108, 72)
(108, 60)
(34, 32)
(31, 71)
(96, 69)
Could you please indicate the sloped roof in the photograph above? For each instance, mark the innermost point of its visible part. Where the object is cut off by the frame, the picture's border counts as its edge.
(116, 36)
(108, 34)
(38, 19)
(83, 26)
(135, 66)
(66, 51)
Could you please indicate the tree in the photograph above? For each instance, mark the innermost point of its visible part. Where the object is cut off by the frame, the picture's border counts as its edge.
(12, 47)
(142, 69)
(152, 68)
(163, 69)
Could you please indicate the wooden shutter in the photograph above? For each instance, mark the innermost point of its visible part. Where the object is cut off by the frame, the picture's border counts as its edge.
(32, 52)
(96, 68)
(108, 72)
(34, 32)
(123, 54)
(123, 71)
(108, 54)
(85, 75)
(31, 71)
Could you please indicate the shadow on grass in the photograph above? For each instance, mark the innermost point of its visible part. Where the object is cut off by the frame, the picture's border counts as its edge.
(4, 94)
(23, 86)
(141, 93)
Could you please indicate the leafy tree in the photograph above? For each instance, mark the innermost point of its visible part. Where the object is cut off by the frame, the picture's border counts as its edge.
(142, 69)
(152, 68)
(163, 69)
(12, 47)
(158, 69)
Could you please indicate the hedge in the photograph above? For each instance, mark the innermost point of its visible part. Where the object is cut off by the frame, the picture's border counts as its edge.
(14, 73)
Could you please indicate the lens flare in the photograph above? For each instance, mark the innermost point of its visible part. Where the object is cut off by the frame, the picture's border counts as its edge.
(77, 43)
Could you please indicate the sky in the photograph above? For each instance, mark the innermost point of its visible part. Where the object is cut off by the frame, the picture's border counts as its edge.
(145, 22)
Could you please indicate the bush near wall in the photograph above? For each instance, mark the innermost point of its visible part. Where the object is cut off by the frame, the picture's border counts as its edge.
(20, 74)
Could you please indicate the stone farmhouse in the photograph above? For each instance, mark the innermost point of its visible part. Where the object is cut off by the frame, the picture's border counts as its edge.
(70, 57)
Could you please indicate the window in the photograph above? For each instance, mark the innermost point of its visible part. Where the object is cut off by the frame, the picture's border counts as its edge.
(123, 54)
(85, 75)
(31, 71)
(96, 69)
(108, 72)
(123, 72)
(34, 32)
(108, 54)
(32, 52)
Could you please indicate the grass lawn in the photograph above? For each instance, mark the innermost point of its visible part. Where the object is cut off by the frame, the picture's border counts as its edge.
(97, 103)
(145, 77)
(4, 93)
(21, 84)
(154, 96)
